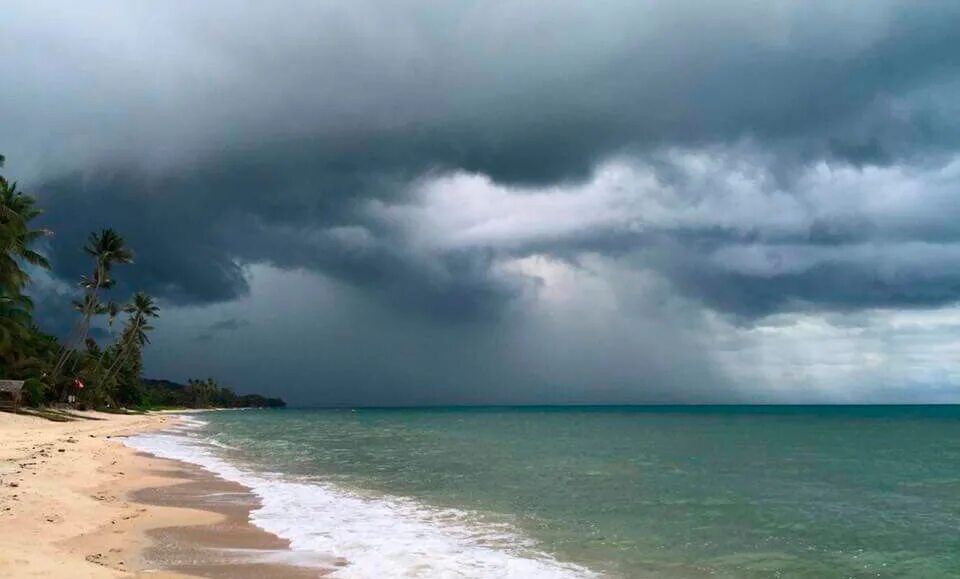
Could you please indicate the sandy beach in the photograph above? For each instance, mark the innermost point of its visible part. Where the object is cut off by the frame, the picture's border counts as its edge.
(75, 502)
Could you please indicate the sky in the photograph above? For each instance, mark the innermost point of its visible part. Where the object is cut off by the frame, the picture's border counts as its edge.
(387, 202)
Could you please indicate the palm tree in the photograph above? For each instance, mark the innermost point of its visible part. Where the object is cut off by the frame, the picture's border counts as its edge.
(16, 211)
(15, 321)
(134, 336)
(89, 303)
(107, 248)
(201, 392)
(112, 309)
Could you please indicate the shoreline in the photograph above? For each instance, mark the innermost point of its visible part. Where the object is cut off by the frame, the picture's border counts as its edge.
(75, 502)
(226, 548)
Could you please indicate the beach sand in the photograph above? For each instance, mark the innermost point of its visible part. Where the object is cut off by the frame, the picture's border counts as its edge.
(75, 502)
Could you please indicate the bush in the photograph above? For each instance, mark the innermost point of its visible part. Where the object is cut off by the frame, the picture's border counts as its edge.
(33, 391)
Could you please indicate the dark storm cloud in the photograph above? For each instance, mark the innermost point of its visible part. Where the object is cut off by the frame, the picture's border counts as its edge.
(228, 325)
(192, 233)
(344, 347)
(839, 283)
(785, 156)
(220, 147)
(216, 328)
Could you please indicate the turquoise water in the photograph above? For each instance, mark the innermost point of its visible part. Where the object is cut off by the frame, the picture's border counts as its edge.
(651, 491)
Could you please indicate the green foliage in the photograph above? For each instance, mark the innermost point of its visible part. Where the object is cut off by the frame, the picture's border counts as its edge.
(111, 373)
(33, 392)
(16, 211)
(106, 248)
(17, 334)
(202, 394)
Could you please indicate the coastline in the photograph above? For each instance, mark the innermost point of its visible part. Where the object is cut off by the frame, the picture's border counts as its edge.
(76, 502)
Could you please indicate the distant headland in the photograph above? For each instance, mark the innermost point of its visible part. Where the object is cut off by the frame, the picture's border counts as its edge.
(201, 394)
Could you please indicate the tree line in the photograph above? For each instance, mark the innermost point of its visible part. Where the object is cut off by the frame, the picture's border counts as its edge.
(203, 394)
(80, 369)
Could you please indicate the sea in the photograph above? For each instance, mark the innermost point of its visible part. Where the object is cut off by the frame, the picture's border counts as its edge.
(675, 492)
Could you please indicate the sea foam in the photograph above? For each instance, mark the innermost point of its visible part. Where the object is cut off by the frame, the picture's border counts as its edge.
(381, 537)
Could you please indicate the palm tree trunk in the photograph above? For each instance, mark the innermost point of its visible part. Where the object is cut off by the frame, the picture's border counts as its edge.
(82, 328)
(124, 350)
(84, 332)
(103, 355)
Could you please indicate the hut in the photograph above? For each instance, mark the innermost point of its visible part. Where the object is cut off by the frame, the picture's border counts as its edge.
(11, 392)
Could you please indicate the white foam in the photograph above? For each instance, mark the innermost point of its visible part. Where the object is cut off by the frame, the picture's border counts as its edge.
(379, 537)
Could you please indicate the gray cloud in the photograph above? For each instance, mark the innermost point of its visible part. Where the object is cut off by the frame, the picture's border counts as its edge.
(786, 156)
(214, 126)
(218, 328)
(227, 325)
(323, 342)
(508, 91)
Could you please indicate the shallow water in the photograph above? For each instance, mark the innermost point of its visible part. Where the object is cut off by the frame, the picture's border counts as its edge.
(681, 492)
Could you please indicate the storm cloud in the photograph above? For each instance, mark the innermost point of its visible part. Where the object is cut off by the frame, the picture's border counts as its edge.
(493, 172)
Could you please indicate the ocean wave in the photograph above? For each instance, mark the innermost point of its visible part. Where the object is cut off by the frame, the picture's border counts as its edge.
(381, 537)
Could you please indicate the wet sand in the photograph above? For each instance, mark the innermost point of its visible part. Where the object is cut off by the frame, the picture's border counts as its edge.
(230, 547)
(76, 503)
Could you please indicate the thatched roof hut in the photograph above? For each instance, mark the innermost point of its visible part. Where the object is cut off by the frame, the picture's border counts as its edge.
(11, 392)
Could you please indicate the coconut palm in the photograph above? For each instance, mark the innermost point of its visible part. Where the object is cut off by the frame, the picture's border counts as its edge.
(112, 309)
(14, 321)
(134, 336)
(142, 308)
(107, 248)
(16, 212)
(16, 236)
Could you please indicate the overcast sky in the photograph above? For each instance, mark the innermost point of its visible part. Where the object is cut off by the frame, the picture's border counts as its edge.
(405, 202)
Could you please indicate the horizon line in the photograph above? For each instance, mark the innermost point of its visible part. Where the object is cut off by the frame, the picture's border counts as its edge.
(627, 405)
